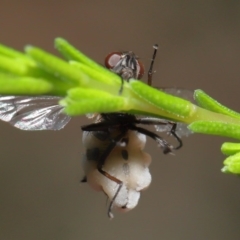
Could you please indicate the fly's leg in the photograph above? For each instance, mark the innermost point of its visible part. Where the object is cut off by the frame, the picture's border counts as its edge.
(100, 165)
(120, 184)
(154, 121)
(150, 71)
(149, 121)
(173, 132)
(121, 88)
(103, 126)
(163, 143)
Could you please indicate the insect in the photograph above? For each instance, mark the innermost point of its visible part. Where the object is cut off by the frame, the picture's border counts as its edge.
(114, 162)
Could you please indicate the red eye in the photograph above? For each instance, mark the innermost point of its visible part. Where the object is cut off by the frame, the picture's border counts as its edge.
(140, 69)
(112, 59)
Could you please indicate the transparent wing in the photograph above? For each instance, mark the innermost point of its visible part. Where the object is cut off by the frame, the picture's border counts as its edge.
(182, 129)
(180, 92)
(33, 113)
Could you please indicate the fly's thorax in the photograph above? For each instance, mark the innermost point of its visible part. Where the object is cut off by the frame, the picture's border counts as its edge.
(101, 139)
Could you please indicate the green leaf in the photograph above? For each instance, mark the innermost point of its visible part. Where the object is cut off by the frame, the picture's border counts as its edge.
(205, 101)
(83, 101)
(13, 54)
(71, 53)
(170, 104)
(232, 164)
(216, 128)
(102, 79)
(56, 66)
(8, 65)
(24, 86)
(230, 148)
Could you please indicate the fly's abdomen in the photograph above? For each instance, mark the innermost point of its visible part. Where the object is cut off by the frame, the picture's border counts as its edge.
(127, 162)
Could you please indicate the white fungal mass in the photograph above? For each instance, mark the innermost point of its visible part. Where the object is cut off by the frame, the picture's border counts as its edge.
(127, 162)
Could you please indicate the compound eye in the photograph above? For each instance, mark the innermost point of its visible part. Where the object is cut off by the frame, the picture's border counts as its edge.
(140, 69)
(112, 59)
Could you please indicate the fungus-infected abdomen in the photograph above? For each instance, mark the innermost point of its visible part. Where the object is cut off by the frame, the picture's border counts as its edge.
(127, 162)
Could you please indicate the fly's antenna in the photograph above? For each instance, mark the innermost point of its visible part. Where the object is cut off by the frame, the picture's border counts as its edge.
(150, 71)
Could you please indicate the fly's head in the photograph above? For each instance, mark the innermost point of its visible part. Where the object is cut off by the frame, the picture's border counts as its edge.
(125, 64)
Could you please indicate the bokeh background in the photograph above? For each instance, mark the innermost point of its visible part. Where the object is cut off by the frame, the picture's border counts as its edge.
(40, 194)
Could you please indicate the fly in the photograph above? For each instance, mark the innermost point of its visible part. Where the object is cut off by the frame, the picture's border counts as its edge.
(115, 162)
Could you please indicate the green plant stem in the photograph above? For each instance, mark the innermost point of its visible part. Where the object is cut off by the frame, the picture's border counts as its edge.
(87, 87)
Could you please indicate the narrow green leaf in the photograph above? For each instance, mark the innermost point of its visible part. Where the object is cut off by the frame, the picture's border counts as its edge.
(176, 106)
(102, 79)
(14, 54)
(232, 164)
(230, 148)
(71, 53)
(80, 94)
(83, 101)
(216, 128)
(12, 66)
(211, 104)
(56, 66)
(86, 64)
(24, 86)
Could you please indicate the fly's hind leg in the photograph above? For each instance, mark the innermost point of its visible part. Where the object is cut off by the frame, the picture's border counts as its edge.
(163, 143)
(173, 132)
(100, 165)
(155, 121)
(103, 126)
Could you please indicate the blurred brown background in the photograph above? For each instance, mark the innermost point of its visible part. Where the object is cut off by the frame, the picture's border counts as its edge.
(40, 196)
